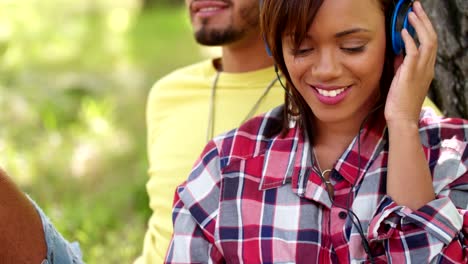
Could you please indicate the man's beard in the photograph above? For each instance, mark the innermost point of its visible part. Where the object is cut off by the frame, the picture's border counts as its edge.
(230, 34)
(218, 37)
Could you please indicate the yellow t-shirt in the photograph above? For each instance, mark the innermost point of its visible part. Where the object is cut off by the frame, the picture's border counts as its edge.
(177, 123)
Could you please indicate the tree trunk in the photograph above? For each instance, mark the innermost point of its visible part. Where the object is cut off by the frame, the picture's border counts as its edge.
(449, 90)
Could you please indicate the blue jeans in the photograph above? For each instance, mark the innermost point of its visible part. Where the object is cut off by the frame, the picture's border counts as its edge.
(59, 250)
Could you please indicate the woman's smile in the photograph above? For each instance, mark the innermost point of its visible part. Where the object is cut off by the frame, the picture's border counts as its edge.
(330, 95)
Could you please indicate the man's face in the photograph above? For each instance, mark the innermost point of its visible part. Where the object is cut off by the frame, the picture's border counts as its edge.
(221, 22)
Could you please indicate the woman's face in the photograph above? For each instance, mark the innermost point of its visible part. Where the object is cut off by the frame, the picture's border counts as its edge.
(338, 66)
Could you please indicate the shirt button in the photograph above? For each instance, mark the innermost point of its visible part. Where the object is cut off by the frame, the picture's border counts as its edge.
(337, 176)
(342, 215)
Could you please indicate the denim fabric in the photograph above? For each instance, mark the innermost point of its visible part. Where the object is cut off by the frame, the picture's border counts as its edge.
(59, 250)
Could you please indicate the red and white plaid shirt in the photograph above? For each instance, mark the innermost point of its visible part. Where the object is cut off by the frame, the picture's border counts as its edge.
(253, 197)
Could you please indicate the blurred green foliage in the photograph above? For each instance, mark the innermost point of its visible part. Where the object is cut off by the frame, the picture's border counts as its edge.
(74, 76)
(149, 3)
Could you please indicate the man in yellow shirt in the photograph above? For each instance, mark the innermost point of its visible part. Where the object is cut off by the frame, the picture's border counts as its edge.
(195, 103)
(191, 105)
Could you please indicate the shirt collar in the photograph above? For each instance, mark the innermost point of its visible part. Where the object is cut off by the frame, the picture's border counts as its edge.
(287, 160)
(360, 154)
(283, 158)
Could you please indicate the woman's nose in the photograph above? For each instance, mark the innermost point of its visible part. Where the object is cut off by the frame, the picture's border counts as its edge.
(326, 66)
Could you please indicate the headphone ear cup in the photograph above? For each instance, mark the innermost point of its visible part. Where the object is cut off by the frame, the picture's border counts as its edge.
(400, 21)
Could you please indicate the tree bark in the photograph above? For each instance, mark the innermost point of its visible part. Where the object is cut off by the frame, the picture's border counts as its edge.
(449, 90)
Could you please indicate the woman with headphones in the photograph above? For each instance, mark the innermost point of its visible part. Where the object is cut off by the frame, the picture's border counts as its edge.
(350, 169)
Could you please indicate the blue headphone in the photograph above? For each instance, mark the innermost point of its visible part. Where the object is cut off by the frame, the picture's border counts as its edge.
(399, 21)
(267, 47)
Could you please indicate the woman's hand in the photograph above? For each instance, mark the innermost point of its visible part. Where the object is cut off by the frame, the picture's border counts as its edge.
(409, 181)
(413, 77)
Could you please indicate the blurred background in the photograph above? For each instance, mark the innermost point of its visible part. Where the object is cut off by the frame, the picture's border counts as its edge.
(74, 76)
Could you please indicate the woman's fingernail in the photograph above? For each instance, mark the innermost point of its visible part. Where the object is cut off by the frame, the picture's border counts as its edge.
(418, 5)
(404, 32)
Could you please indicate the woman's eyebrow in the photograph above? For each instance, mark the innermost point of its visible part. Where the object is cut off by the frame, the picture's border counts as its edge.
(350, 31)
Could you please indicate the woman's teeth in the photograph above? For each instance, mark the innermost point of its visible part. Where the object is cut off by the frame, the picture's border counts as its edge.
(330, 93)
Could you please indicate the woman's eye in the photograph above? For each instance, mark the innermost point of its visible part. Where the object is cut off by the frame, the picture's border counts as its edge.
(354, 49)
(302, 52)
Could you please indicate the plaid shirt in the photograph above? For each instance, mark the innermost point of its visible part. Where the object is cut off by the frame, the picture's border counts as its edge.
(253, 197)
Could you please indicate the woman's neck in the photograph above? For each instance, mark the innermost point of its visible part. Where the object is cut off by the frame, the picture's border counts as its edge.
(331, 139)
(329, 144)
(334, 133)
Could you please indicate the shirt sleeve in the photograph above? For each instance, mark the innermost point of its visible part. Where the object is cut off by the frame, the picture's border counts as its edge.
(194, 214)
(160, 189)
(59, 250)
(438, 231)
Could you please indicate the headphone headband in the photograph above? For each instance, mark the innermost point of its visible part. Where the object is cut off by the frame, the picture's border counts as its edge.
(399, 22)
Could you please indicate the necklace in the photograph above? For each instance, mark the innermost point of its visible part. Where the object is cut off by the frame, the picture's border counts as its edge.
(322, 173)
(212, 110)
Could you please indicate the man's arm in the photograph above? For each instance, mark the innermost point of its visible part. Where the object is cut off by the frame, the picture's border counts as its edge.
(26, 234)
(21, 233)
